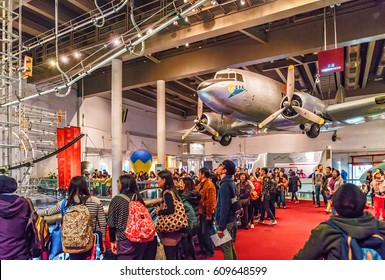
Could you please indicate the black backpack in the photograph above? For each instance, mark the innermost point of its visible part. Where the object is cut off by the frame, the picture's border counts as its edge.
(236, 205)
(371, 248)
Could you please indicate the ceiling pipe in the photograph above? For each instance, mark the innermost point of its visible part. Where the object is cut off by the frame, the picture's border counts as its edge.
(72, 28)
(128, 47)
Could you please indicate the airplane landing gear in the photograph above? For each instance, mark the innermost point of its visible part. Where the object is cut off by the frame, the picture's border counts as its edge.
(335, 137)
(313, 131)
(225, 140)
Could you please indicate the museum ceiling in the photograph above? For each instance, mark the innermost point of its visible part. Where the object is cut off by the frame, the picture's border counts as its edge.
(263, 36)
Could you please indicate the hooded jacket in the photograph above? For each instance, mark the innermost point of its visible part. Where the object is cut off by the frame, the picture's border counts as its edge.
(14, 214)
(325, 241)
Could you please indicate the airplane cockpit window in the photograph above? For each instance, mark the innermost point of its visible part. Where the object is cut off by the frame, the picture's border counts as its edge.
(240, 77)
(222, 76)
(232, 76)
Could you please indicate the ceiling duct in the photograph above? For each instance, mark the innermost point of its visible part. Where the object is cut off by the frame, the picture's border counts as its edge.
(380, 68)
(352, 67)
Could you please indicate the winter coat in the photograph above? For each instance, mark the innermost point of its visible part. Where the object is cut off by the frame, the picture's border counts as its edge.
(223, 214)
(294, 183)
(325, 241)
(193, 198)
(14, 214)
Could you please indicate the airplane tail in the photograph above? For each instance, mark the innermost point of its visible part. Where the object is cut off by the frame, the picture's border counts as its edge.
(340, 95)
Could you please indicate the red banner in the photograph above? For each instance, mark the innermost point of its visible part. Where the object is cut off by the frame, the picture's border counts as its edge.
(331, 61)
(69, 164)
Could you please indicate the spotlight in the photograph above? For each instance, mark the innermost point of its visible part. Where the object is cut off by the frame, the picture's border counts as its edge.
(187, 44)
(175, 22)
(52, 63)
(243, 2)
(64, 59)
(150, 31)
(186, 19)
(116, 42)
(139, 35)
(77, 55)
(214, 2)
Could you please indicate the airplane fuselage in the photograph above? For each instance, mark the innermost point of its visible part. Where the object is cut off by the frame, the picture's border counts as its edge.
(246, 96)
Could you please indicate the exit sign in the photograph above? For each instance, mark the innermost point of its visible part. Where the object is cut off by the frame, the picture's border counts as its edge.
(331, 61)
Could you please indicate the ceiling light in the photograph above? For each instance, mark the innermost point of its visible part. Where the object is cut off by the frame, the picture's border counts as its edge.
(52, 63)
(186, 19)
(213, 2)
(175, 22)
(187, 44)
(150, 31)
(64, 59)
(77, 54)
(139, 35)
(116, 42)
(243, 2)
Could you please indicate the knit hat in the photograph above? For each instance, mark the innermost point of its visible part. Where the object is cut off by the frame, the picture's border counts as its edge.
(7, 184)
(230, 167)
(349, 201)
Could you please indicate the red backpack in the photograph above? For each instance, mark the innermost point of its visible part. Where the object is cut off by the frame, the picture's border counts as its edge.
(140, 226)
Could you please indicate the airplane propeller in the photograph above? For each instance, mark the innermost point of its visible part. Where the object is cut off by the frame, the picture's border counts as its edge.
(199, 122)
(291, 104)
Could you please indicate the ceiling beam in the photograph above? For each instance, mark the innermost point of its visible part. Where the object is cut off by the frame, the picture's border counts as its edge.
(310, 78)
(30, 27)
(283, 78)
(41, 9)
(234, 22)
(186, 86)
(269, 66)
(84, 5)
(255, 34)
(181, 96)
(281, 45)
(168, 99)
(369, 56)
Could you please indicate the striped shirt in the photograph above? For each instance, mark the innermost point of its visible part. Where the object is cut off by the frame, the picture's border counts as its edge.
(118, 217)
(93, 205)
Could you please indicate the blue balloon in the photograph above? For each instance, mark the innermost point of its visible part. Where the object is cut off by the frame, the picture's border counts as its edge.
(141, 160)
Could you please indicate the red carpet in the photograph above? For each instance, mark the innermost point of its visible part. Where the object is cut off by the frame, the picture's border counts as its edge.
(281, 241)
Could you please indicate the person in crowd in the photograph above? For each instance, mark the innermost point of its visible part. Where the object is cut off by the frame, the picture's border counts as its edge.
(190, 194)
(152, 176)
(207, 205)
(237, 174)
(224, 216)
(14, 215)
(244, 197)
(344, 175)
(318, 182)
(368, 181)
(325, 240)
(333, 184)
(246, 171)
(265, 197)
(78, 193)
(118, 218)
(275, 172)
(294, 185)
(378, 188)
(255, 205)
(170, 240)
(282, 184)
(257, 170)
(214, 179)
(325, 188)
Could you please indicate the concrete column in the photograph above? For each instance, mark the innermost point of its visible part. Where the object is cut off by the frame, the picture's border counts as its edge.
(116, 122)
(161, 121)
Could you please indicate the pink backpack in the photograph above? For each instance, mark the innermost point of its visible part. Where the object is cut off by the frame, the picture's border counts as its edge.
(140, 227)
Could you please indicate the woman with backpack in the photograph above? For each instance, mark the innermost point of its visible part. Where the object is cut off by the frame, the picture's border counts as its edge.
(171, 212)
(294, 184)
(78, 194)
(118, 218)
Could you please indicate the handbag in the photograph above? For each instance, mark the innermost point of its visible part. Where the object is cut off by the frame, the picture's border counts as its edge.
(175, 221)
(55, 247)
(254, 195)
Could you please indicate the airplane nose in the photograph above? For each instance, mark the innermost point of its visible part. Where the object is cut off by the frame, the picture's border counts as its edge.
(205, 84)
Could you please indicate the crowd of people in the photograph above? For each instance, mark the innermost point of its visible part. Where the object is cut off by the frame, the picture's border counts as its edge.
(210, 195)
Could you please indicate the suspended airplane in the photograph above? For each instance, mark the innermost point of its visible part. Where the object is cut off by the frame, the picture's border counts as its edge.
(246, 103)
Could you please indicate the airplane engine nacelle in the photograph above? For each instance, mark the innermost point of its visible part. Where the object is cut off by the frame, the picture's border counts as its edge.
(212, 120)
(303, 100)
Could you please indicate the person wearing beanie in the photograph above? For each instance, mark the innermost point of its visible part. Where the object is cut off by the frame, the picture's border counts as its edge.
(224, 216)
(14, 215)
(325, 240)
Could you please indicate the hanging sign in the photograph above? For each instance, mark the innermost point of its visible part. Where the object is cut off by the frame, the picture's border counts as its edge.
(331, 61)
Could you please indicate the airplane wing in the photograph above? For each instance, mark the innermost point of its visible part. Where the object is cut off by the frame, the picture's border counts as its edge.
(358, 111)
